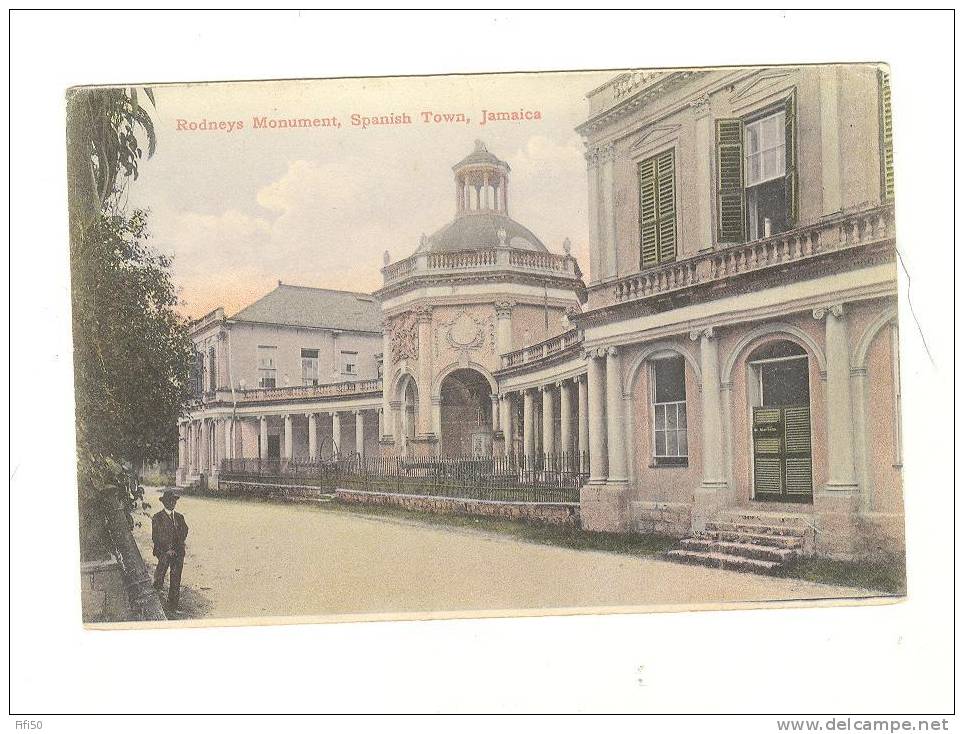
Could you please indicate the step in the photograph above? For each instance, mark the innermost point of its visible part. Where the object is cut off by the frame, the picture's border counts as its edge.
(744, 550)
(757, 528)
(721, 560)
(762, 539)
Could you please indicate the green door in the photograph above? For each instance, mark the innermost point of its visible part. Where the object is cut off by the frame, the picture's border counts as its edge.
(782, 466)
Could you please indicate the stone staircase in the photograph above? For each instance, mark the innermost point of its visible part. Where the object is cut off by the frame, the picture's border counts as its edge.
(748, 541)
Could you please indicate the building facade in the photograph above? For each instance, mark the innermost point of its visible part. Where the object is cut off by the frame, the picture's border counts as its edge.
(733, 354)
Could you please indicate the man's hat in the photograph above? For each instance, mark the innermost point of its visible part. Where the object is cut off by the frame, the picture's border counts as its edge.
(169, 495)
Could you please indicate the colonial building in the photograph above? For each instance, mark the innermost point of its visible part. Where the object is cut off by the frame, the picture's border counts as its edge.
(294, 375)
(730, 367)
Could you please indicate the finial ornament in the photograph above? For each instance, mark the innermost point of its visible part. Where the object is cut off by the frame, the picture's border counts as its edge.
(386, 258)
(502, 236)
(423, 240)
(567, 245)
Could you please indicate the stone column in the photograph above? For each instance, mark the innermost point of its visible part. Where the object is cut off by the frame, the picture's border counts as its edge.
(609, 207)
(714, 478)
(485, 189)
(360, 432)
(289, 438)
(830, 140)
(528, 425)
(336, 430)
(596, 386)
(548, 421)
(203, 463)
(388, 427)
(181, 446)
(503, 327)
(496, 422)
(312, 436)
(565, 417)
(614, 417)
(592, 174)
(583, 447)
(228, 428)
(505, 421)
(402, 442)
(264, 437)
(424, 316)
(840, 436)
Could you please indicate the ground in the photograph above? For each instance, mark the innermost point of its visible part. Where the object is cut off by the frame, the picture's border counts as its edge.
(266, 559)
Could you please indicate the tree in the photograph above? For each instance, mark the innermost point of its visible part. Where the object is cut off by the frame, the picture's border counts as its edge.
(132, 351)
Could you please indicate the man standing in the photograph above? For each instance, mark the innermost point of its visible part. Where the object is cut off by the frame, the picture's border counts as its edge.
(169, 531)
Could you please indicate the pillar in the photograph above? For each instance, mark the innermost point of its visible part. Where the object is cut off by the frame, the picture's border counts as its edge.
(528, 425)
(705, 186)
(548, 421)
(565, 417)
(485, 190)
(714, 478)
(503, 327)
(264, 437)
(496, 422)
(596, 387)
(228, 428)
(312, 436)
(203, 463)
(592, 174)
(387, 430)
(289, 437)
(181, 446)
(505, 421)
(336, 430)
(583, 419)
(840, 442)
(830, 140)
(614, 417)
(424, 316)
(360, 432)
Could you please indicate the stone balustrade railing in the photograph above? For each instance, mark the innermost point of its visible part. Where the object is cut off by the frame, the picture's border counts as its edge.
(295, 392)
(543, 349)
(836, 233)
(495, 257)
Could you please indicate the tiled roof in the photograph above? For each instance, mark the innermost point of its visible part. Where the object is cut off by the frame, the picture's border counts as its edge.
(480, 230)
(480, 154)
(295, 305)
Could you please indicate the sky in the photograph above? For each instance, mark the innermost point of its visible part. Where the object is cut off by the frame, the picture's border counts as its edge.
(240, 210)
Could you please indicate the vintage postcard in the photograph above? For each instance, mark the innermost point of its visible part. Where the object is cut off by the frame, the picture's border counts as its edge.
(507, 344)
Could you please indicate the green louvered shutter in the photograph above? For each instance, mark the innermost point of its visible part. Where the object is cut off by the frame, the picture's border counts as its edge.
(796, 426)
(792, 188)
(648, 213)
(767, 452)
(886, 139)
(666, 189)
(729, 182)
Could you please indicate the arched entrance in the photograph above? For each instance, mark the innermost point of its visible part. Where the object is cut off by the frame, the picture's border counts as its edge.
(466, 414)
(407, 412)
(779, 388)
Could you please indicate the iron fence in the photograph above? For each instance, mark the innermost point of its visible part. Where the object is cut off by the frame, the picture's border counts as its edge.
(510, 478)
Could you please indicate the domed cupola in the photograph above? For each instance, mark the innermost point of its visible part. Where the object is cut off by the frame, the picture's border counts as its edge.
(482, 209)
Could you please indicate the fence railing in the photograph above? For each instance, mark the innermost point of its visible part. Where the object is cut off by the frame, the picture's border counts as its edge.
(483, 257)
(547, 348)
(511, 478)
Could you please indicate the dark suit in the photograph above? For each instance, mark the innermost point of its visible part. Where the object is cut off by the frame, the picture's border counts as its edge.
(169, 536)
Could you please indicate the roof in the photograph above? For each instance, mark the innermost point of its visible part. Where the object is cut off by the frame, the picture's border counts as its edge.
(481, 154)
(478, 230)
(319, 308)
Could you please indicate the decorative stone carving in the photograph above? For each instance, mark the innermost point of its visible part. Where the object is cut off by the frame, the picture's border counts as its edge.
(709, 332)
(567, 246)
(403, 338)
(386, 258)
(701, 105)
(423, 313)
(502, 234)
(503, 309)
(834, 309)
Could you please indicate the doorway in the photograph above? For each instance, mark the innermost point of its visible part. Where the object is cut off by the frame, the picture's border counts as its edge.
(780, 398)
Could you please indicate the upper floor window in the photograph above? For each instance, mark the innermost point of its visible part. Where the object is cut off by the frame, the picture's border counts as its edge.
(657, 209)
(670, 445)
(349, 361)
(757, 174)
(267, 366)
(212, 369)
(886, 138)
(309, 366)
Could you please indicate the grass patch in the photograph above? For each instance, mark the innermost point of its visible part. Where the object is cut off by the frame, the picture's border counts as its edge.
(885, 575)
(634, 544)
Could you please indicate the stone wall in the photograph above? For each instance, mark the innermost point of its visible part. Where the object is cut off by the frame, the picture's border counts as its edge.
(661, 518)
(544, 513)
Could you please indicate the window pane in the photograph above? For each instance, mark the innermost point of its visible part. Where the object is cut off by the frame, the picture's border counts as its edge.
(752, 138)
(672, 446)
(671, 417)
(682, 416)
(660, 443)
(753, 173)
(683, 446)
(660, 414)
(670, 383)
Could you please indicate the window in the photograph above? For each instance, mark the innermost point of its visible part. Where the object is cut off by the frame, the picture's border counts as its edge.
(267, 366)
(886, 139)
(757, 174)
(350, 362)
(657, 209)
(309, 366)
(212, 370)
(670, 446)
